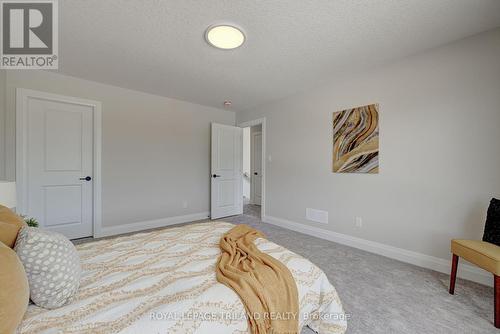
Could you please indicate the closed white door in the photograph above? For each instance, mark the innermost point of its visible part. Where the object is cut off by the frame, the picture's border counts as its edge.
(256, 158)
(59, 163)
(226, 171)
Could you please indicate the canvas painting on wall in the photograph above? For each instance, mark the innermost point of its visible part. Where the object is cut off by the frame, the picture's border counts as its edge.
(355, 140)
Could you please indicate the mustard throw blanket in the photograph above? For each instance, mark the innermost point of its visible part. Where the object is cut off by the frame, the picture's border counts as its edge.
(264, 284)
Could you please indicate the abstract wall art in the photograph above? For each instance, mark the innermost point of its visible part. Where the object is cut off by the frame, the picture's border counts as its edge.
(355, 140)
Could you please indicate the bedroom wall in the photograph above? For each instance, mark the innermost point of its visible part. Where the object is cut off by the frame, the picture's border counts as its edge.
(3, 77)
(155, 150)
(439, 151)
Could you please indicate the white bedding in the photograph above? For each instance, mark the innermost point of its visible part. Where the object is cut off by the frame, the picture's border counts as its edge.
(164, 282)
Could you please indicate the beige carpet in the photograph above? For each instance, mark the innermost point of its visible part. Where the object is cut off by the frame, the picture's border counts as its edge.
(384, 295)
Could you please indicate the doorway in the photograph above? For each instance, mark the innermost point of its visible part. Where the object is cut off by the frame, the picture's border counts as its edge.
(253, 168)
(237, 172)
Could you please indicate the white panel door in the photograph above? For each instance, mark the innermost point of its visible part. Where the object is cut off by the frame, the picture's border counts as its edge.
(59, 162)
(226, 171)
(256, 168)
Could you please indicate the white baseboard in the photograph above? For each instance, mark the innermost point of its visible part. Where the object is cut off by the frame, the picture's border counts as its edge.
(431, 262)
(107, 231)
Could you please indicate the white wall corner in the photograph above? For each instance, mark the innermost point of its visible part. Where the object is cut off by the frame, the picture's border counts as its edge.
(465, 271)
(106, 231)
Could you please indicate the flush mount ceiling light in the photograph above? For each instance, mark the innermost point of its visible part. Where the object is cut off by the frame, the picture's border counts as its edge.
(224, 36)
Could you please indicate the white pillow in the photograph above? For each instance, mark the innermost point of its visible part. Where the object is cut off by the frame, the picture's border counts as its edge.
(52, 265)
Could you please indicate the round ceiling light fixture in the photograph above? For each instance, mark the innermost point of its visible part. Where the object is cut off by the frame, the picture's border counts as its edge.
(224, 36)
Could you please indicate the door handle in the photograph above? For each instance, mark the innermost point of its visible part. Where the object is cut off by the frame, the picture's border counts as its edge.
(255, 173)
(215, 175)
(87, 178)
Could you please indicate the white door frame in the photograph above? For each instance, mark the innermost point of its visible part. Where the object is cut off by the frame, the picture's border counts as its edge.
(261, 121)
(22, 96)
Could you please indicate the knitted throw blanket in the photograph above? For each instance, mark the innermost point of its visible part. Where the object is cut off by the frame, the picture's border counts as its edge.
(265, 285)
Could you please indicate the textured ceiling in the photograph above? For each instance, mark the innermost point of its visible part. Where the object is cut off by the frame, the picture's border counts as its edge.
(158, 46)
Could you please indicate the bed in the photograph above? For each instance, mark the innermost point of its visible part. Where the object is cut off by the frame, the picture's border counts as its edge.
(164, 282)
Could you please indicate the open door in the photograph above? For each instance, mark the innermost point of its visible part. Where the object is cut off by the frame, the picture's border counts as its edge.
(226, 171)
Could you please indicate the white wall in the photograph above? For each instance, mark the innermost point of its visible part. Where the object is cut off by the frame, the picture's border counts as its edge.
(439, 149)
(155, 153)
(3, 83)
